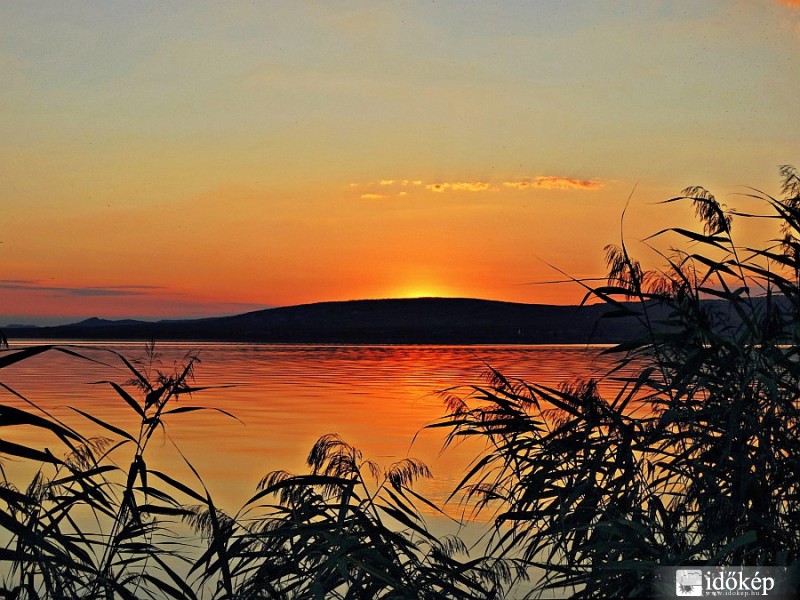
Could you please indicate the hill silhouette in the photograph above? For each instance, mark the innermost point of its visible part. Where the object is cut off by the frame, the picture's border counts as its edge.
(396, 321)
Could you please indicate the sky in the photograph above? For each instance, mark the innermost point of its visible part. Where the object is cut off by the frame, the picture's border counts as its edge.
(185, 159)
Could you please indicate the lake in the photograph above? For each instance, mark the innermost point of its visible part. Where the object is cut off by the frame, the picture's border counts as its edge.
(378, 398)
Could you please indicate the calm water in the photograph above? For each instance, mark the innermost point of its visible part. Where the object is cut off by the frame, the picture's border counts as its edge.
(285, 396)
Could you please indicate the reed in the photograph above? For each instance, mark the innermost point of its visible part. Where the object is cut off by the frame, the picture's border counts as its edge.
(86, 526)
(697, 460)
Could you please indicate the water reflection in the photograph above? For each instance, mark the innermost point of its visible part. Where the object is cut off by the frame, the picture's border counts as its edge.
(376, 397)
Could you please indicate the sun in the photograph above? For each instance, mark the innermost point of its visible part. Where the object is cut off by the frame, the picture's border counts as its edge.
(422, 290)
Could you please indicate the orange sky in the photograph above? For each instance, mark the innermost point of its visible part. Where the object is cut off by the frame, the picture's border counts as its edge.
(203, 159)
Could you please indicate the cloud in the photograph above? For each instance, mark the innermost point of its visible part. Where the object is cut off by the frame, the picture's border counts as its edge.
(27, 285)
(460, 186)
(518, 185)
(552, 182)
(18, 282)
(382, 187)
(379, 189)
(402, 182)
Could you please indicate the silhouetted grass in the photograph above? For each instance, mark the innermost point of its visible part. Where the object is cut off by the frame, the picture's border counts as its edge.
(695, 461)
(100, 522)
(598, 494)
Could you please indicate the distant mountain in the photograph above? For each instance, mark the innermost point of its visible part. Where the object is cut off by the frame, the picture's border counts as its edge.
(97, 322)
(401, 321)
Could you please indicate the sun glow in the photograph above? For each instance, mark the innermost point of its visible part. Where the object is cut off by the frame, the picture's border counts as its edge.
(422, 290)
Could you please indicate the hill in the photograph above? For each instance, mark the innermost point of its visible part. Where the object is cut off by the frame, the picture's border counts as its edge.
(400, 321)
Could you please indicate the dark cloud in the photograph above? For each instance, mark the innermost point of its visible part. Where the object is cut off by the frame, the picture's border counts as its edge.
(25, 285)
(553, 182)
